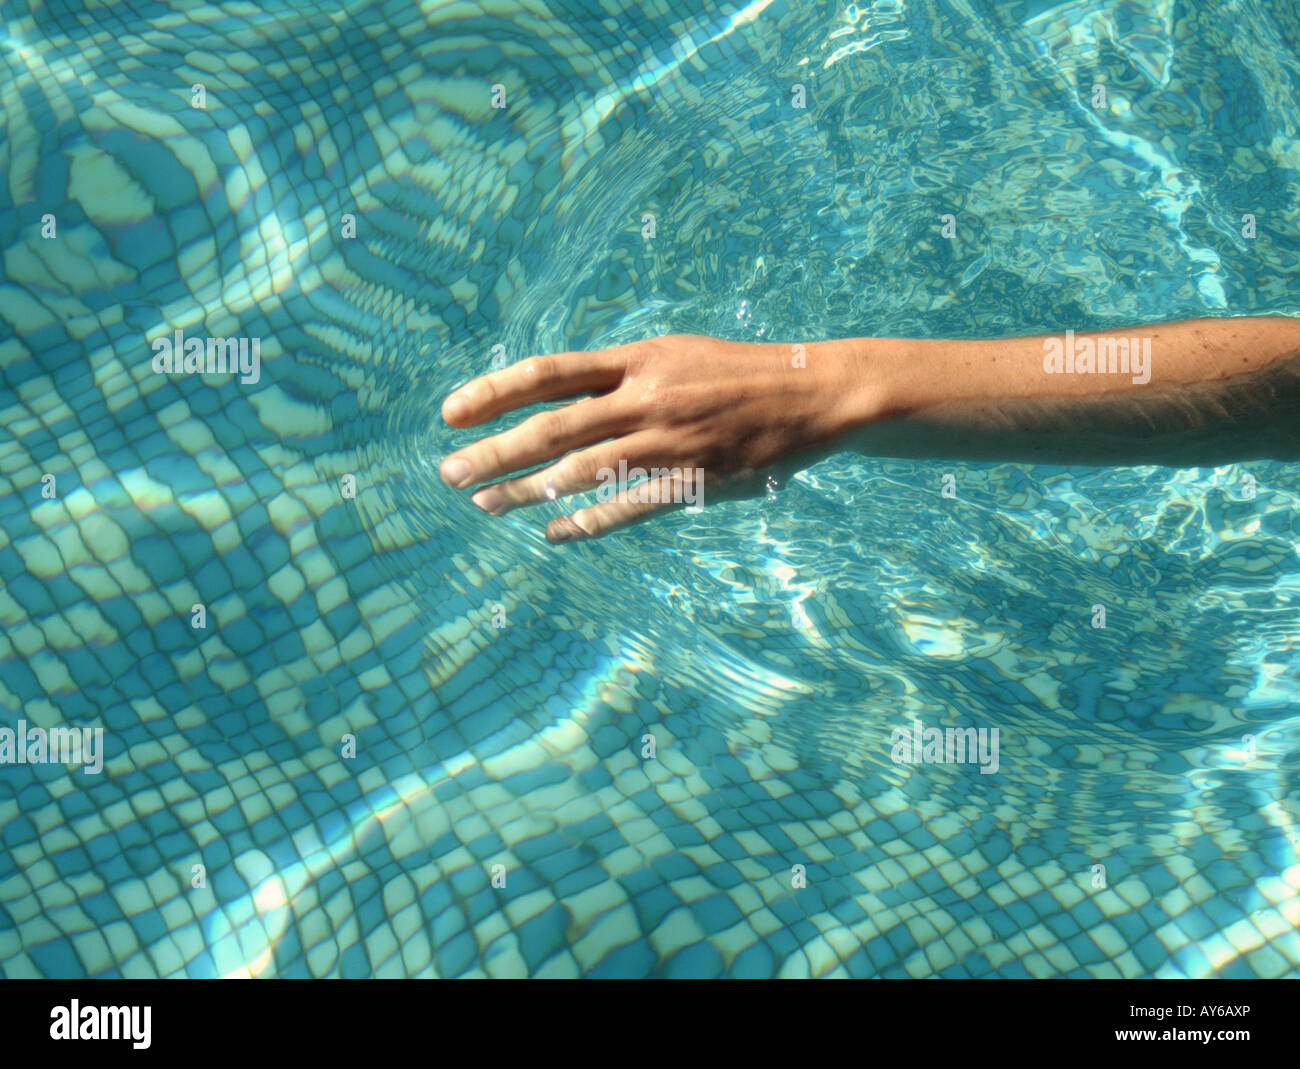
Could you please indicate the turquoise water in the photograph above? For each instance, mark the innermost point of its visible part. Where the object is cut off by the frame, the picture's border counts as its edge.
(771, 647)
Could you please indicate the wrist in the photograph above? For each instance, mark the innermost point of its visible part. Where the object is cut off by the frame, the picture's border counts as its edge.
(886, 378)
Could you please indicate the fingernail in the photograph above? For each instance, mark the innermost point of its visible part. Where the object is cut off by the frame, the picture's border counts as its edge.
(455, 472)
(488, 500)
(456, 407)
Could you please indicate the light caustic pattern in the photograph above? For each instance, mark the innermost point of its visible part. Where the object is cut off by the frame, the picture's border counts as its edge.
(347, 194)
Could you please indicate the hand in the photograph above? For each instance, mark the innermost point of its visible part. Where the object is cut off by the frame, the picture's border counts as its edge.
(686, 403)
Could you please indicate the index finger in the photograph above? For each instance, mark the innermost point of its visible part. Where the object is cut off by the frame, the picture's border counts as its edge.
(538, 378)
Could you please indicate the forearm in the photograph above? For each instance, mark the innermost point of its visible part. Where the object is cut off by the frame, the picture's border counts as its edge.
(1206, 391)
(679, 407)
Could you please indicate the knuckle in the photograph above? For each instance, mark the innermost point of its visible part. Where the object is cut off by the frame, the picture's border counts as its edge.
(482, 391)
(646, 354)
(656, 391)
(539, 369)
(577, 469)
(489, 458)
(550, 428)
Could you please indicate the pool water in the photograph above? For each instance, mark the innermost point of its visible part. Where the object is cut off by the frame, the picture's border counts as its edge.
(412, 739)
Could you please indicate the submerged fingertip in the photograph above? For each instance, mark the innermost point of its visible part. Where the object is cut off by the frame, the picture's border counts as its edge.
(489, 499)
(563, 529)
